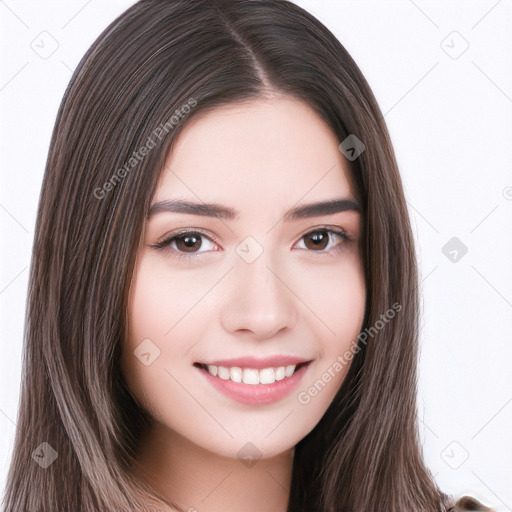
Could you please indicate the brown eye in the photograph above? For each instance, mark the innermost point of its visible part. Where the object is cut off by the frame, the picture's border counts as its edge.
(323, 240)
(317, 240)
(188, 242)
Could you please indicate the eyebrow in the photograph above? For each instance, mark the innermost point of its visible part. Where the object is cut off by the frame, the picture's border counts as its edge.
(223, 212)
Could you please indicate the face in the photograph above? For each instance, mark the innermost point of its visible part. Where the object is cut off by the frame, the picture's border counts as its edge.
(241, 306)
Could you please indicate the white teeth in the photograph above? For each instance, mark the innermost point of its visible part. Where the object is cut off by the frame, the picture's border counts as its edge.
(288, 371)
(223, 373)
(279, 373)
(235, 374)
(267, 376)
(251, 375)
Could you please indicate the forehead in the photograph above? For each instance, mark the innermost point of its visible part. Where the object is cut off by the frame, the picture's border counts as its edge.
(256, 154)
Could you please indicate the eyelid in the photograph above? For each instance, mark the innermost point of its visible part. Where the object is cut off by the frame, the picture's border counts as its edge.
(325, 227)
(162, 241)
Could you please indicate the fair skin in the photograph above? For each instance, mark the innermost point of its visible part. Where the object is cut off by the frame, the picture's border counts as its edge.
(303, 296)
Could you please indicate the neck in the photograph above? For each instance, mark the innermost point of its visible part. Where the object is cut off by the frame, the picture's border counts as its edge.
(196, 479)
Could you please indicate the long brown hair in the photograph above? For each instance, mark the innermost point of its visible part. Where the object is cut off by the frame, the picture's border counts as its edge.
(156, 67)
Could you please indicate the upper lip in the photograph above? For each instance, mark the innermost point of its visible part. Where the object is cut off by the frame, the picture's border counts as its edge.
(258, 363)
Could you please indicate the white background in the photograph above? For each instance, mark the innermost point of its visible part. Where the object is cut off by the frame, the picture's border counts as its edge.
(449, 115)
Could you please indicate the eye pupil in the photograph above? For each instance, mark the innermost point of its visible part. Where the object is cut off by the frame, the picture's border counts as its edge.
(190, 242)
(318, 238)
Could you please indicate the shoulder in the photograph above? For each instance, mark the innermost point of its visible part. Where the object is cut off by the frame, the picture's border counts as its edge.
(467, 503)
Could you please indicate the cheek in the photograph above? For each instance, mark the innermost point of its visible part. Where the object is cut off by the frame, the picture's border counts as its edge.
(166, 315)
(336, 297)
(160, 299)
(150, 318)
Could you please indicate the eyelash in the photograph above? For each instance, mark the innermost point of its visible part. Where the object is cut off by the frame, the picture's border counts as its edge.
(163, 244)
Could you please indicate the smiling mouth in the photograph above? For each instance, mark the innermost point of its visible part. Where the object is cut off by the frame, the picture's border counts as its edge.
(252, 376)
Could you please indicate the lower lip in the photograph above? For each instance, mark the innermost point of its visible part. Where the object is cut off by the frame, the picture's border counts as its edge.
(256, 394)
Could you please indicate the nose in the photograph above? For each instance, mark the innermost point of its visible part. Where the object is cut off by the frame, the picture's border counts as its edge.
(258, 300)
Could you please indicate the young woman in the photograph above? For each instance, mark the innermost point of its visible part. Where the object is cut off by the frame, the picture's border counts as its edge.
(223, 299)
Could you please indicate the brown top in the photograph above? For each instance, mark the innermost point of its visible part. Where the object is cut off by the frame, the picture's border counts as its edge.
(467, 503)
